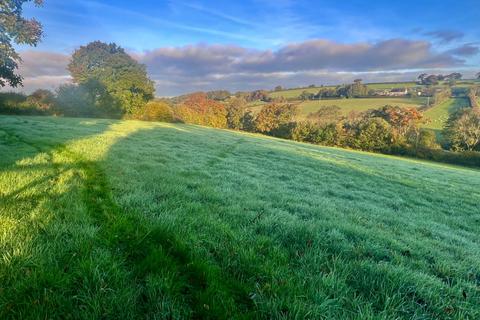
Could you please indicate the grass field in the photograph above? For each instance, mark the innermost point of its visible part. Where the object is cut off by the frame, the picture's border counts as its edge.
(104, 219)
(348, 105)
(391, 85)
(295, 93)
(439, 114)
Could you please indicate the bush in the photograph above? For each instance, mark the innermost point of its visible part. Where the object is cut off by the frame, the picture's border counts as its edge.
(369, 134)
(428, 140)
(462, 130)
(156, 111)
(273, 116)
(198, 109)
(39, 103)
(235, 113)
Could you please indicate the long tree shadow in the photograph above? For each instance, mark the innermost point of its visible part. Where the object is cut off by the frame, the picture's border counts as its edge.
(35, 209)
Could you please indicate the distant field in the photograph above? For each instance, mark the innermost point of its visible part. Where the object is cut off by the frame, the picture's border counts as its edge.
(106, 219)
(392, 85)
(464, 83)
(439, 114)
(348, 105)
(295, 93)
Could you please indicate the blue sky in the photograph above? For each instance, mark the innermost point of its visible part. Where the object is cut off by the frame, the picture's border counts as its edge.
(266, 28)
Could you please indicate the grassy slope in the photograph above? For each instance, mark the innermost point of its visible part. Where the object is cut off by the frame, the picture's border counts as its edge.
(348, 105)
(124, 219)
(439, 114)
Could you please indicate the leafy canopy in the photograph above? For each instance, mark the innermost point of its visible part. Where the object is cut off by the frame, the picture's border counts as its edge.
(123, 78)
(14, 29)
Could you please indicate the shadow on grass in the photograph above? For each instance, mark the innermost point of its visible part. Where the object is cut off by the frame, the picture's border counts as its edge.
(142, 250)
(150, 253)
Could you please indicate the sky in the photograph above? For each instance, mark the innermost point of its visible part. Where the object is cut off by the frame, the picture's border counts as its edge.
(192, 45)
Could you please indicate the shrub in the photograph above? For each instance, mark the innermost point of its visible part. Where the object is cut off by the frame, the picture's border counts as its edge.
(20, 104)
(273, 116)
(198, 109)
(42, 100)
(307, 131)
(369, 134)
(235, 113)
(462, 130)
(156, 111)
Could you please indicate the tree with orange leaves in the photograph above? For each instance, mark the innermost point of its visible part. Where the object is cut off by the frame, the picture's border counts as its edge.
(198, 109)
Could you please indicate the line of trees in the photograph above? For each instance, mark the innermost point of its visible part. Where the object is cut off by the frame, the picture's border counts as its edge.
(433, 79)
(391, 129)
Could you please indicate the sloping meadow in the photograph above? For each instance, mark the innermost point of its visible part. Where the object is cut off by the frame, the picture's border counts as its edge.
(126, 219)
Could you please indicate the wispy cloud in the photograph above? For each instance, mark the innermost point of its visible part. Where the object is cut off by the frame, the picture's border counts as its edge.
(466, 50)
(165, 22)
(218, 14)
(445, 36)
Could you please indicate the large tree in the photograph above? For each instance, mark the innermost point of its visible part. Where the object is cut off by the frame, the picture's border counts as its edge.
(124, 79)
(15, 29)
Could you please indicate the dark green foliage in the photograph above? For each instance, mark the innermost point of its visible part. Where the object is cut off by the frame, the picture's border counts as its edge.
(369, 134)
(15, 29)
(122, 79)
(219, 95)
(248, 121)
(355, 90)
(38, 103)
(324, 134)
(327, 93)
(261, 95)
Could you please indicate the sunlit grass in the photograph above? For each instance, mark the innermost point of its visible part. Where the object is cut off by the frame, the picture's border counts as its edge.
(438, 115)
(126, 219)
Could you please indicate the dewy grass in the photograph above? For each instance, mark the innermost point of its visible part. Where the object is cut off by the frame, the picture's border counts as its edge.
(438, 115)
(125, 219)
